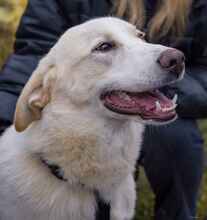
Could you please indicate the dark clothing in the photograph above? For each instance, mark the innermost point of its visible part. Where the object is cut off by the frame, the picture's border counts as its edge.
(173, 163)
(172, 154)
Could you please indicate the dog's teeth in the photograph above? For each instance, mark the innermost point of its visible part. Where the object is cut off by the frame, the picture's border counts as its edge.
(124, 96)
(169, 109)
(175, 98)
(158, 106)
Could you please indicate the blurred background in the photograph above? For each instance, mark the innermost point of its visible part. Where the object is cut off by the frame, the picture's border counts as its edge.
(10, 13)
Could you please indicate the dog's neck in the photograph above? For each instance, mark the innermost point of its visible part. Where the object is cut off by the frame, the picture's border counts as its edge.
(81, 142)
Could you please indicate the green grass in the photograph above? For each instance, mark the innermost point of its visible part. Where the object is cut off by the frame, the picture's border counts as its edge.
(145, 198)
(202, 204)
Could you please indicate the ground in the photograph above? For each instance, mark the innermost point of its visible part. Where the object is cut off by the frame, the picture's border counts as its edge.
(10, 11)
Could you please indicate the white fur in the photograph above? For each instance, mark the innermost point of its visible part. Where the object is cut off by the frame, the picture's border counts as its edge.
(96, 148)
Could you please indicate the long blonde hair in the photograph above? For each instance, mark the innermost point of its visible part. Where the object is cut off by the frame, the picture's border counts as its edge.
(171, 16)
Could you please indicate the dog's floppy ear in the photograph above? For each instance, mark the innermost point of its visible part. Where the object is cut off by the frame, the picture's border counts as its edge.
(35, 96)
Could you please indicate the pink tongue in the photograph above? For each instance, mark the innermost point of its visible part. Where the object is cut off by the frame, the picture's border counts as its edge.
(145, 101)
(143, 104)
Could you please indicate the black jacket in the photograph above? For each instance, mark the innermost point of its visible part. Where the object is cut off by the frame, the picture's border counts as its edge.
(44, 21)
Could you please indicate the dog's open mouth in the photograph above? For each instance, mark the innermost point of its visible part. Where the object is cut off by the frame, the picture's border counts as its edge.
(152, 105)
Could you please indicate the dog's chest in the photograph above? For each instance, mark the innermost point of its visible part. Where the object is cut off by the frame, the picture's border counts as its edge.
(96, 159)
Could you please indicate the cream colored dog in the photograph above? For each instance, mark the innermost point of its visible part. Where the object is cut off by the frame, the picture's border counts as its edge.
(79, 123)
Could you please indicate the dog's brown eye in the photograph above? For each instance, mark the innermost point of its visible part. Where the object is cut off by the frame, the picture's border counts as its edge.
(105, 47)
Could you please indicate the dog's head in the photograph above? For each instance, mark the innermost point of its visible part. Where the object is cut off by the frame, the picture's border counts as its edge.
(103, 65)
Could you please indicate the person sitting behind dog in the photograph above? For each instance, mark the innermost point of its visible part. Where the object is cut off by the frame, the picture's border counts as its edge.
(172, 155)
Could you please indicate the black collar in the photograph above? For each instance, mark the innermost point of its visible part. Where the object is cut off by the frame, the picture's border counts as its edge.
(56, 170)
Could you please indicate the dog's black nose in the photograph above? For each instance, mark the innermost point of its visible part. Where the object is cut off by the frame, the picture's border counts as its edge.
(173, 61)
